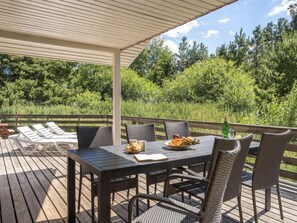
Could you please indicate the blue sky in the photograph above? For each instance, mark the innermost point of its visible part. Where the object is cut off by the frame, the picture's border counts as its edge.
(220, 26)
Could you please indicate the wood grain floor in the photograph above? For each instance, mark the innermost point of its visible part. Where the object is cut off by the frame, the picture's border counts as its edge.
(33, 189)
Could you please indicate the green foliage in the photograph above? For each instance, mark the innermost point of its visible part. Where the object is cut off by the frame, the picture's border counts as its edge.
(95, 78)
(189, 55)
(138, 88)
(213, 80)
(237, 50)
(155, 62)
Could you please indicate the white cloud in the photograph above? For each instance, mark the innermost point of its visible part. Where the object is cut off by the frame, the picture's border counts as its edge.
(282, 7)
(191, 42)
(210, 33)
(182, 30)
(171, 45)
(225, 20)
(231, 32)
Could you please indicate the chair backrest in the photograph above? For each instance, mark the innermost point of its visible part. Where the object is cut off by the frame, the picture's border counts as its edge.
(219, 144)
(233, 188)
(29, 133)
(43, 131)
(55, 128)
(270, 154)
(181, 128)
(212, 206)
(93, 137)
(141, 132)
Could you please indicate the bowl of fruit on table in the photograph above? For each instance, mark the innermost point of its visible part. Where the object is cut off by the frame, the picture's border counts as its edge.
(178, 142)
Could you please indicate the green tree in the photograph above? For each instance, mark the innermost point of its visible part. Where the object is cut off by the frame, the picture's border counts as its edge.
(155, 62)
(188, 55)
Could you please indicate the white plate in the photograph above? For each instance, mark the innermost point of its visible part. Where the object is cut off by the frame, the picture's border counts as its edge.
(176, 147)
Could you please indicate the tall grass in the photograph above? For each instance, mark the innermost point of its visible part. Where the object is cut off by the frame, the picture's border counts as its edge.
(174, 110)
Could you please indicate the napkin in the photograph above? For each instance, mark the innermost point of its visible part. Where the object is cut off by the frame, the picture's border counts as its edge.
(151, 157)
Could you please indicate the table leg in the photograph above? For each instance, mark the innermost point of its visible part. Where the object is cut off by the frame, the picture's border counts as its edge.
(267, 199)
(70, 190)
(104, 199)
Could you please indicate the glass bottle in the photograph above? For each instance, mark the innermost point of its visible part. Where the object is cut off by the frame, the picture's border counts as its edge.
(225, 129)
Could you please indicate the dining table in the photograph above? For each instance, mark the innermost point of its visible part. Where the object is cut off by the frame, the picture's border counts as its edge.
(108, 162)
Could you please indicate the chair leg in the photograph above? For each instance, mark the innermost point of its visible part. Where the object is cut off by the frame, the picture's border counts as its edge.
(79, 191)
(279, 201)
(92, 197)
(267, 199)
(137, 202)
(128, 193)
(204, 169)
(240, 208)
(113, 195)
(156, 185)
(147, 191)
(254, 205)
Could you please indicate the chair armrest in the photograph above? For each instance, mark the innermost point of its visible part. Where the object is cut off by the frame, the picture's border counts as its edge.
(189, 171)
(248, 166)
(181, 176)
(160, 199)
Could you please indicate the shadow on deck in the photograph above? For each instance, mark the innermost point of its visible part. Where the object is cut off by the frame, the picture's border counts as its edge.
(33, 189)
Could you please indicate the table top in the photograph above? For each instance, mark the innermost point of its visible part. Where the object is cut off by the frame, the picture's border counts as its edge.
(114, 162)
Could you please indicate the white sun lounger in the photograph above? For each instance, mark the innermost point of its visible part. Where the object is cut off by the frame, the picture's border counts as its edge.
(28, 136)
(44, 132)
(56, 129)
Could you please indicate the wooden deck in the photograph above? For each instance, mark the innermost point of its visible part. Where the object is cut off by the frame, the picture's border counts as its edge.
(33, 189)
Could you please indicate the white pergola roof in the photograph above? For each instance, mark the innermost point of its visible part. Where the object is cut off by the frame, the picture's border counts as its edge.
(91, 31)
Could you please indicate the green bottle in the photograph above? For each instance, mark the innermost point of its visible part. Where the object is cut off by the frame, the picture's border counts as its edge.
(225, 129)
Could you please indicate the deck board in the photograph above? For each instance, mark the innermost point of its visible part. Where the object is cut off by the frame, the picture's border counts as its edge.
(33, 189)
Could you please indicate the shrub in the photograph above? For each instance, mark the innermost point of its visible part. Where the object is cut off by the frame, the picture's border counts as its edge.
(214, 80)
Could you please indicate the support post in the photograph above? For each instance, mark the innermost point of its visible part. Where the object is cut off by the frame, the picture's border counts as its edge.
(116, 98)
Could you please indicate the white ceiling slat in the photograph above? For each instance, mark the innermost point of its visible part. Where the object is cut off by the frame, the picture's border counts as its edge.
(21, 11)
(80, 15)
(29, 18)
(60, 29)
(173, 7)
(91, 31)
(154, 9)
(123, 9)
(94, 7)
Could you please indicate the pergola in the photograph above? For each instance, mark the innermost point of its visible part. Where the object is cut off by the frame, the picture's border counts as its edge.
(110, 32)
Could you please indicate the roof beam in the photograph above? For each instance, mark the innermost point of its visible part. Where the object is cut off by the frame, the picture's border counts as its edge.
(55, 42)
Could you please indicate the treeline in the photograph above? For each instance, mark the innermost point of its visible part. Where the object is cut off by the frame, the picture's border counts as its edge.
(253, 75)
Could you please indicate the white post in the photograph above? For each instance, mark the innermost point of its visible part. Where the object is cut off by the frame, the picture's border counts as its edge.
(116, 98)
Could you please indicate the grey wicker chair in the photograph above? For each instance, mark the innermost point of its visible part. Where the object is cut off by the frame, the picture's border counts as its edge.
(94, 137)
(233, 190)
(173, 211)
(265, 173)
(147, 132)
(182, 128)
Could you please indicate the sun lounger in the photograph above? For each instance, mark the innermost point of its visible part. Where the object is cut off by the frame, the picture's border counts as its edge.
(56, 129)
(44, 132)
(28, 136)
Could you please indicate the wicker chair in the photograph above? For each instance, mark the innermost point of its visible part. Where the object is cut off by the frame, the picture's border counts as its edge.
(234, 183)
(173, 211)
(265, 173)
(182, 128)
(147, 132)
(93, 137)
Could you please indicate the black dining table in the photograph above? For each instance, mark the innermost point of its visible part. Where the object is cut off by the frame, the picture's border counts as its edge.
(109, 162)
